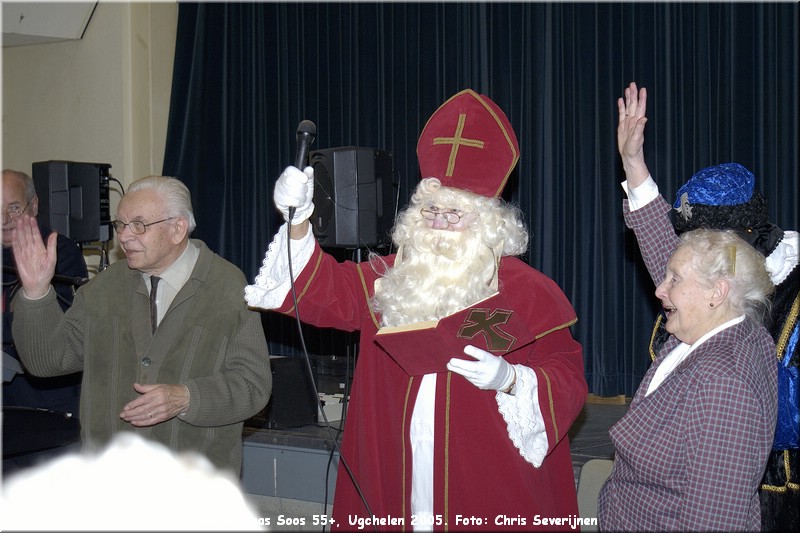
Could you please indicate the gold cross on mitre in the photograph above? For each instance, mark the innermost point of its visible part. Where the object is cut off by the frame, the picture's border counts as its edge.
(473, 131)
(457, 141)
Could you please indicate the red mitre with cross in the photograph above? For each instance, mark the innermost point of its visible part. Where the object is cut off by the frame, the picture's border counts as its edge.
(468, 143)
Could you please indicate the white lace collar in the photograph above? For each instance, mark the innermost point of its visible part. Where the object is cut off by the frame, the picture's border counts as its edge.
(784, 258)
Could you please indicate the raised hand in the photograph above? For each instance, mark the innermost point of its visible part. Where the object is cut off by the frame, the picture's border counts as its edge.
(295, 188)
(36, 262)
(630, 134)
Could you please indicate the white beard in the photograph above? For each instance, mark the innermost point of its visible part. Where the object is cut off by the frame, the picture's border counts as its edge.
(440, 272)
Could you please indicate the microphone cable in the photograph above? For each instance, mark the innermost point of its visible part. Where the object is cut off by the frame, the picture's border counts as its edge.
(307, 358)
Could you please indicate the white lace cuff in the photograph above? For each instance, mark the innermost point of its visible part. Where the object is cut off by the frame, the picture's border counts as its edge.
(272, 283)
(784, 258)
(523, 416)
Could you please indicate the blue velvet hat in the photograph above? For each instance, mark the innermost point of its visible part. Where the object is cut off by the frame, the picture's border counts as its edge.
(725, 184)
(724, 197)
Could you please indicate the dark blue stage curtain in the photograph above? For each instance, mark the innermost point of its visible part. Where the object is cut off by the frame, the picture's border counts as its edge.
(722, 81)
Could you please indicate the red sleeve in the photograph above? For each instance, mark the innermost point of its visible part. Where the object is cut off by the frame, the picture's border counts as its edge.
(557, 360)
(555, 356)
(333, 294)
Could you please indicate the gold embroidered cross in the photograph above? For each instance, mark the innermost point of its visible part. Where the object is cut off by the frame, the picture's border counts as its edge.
(487, 323)
(457, 140)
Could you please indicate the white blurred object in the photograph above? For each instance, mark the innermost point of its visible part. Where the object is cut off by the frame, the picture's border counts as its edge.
(133, 484)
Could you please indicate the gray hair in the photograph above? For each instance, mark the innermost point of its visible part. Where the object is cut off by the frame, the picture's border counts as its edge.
(723, 255)
(30, 187)
(176, 196)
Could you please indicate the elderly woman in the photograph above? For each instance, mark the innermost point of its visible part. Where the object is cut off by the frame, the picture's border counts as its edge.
(692, 448)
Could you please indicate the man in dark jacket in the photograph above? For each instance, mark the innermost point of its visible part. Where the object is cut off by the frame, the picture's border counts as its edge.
(24, 390)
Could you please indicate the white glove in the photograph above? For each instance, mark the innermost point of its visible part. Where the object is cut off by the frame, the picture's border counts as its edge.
(489, 372)
(295, 188)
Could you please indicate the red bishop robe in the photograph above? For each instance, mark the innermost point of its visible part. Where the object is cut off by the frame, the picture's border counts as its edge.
(480, 479)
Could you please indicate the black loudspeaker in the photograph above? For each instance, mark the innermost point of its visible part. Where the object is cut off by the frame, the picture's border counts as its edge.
(293, 403)
(73, 199)
(353, 197)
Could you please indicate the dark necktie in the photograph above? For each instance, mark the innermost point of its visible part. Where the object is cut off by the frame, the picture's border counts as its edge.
(153, 308)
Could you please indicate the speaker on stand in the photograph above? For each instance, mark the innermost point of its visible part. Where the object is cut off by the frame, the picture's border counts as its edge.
(353, 197)
(354, 208)
(74, 201)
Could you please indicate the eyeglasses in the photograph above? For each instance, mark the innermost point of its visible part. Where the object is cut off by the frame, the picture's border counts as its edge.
(137, 226)
(452, 217)
(14, 212)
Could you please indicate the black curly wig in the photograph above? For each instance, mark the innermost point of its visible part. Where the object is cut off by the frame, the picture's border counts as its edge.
(749, 220)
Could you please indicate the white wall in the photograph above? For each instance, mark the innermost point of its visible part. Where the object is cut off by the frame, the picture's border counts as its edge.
(103, 98)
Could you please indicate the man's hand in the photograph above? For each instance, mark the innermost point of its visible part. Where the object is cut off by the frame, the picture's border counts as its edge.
(157, 403)
(36, 263)
(488, 372)
(630, 134)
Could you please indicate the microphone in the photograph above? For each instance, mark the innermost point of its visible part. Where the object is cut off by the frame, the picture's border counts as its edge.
(306, 132)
